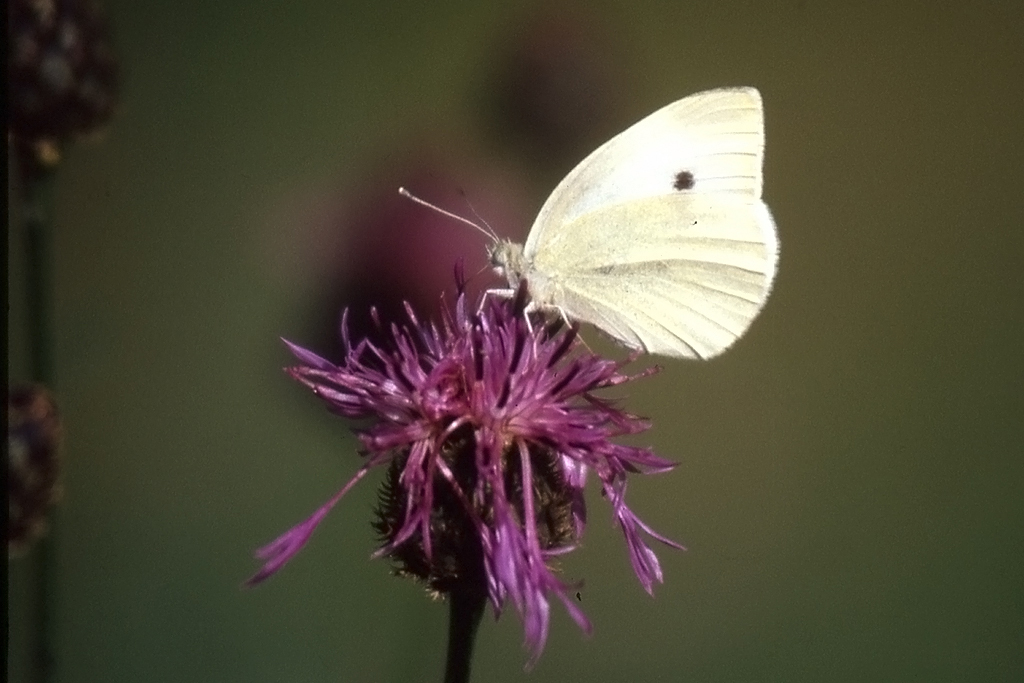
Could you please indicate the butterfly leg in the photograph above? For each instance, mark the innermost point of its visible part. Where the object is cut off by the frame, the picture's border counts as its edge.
(534, 306)
(501, 293)
(531, 307)
(511, 294)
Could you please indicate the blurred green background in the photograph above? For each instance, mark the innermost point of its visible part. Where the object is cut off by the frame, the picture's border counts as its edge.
(851, 473)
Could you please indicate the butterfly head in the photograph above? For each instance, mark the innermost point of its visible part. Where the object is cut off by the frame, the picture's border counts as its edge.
(508, 260)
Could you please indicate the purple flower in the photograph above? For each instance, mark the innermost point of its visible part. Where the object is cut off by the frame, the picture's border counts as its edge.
(489, 427)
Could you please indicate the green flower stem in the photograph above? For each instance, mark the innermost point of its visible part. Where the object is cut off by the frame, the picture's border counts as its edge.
(38, 214)
(466, 608)
(37, 204)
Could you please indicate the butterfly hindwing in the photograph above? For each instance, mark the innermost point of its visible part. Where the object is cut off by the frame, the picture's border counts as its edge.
(684, 276)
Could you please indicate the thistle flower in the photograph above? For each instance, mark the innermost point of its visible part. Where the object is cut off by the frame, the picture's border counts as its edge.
(489, 426)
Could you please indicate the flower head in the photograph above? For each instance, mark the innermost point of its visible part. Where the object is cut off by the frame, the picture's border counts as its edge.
(489, 427)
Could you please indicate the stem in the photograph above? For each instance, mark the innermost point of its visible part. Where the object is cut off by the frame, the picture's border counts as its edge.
(38, 212)
(37, 198)
(466, 610)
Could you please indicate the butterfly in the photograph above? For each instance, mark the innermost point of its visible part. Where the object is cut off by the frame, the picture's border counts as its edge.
(659, 237)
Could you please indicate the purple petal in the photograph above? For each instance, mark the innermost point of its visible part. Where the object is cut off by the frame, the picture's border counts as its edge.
(645, 562)
(278, 552)
(308, 357)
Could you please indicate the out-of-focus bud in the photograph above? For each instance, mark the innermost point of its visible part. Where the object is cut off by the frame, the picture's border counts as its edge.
(33, 464)
(62, 76)
(555, 86)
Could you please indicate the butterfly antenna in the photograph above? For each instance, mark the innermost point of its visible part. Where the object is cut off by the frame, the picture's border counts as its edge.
(490, 231)
(487, 231)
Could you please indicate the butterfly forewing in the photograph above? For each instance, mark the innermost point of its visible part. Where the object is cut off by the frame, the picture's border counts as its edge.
(710, 142)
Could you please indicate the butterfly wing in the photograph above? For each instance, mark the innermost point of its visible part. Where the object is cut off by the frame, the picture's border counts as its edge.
(682, 275)
(660, 236)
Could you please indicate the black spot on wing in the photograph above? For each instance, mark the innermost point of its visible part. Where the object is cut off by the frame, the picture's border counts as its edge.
(684, 180)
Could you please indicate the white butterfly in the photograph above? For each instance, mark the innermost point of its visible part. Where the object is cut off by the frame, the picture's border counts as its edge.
(659, 237)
